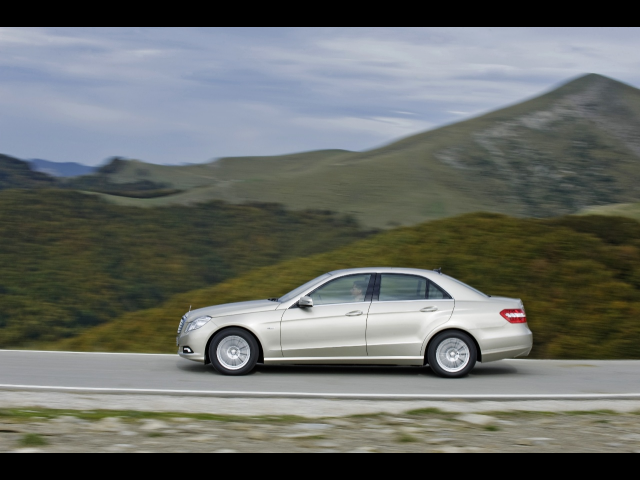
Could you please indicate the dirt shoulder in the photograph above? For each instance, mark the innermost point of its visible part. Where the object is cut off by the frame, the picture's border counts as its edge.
(41, 430)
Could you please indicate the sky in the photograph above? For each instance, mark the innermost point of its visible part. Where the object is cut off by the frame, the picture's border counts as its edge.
(190, 95)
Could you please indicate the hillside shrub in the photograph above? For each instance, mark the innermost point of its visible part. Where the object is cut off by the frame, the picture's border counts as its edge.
(70, 261)
(582, 301)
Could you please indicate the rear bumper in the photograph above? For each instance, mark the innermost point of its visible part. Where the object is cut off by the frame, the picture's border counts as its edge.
(514, 341)
(495, 355)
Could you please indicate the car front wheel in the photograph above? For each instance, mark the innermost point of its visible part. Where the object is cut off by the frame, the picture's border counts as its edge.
(452, 354)
(234, 352)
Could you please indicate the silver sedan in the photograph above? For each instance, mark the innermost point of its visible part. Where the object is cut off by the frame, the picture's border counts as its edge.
(370, 316)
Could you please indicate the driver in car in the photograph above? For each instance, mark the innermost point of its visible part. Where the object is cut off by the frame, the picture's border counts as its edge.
(358, 291)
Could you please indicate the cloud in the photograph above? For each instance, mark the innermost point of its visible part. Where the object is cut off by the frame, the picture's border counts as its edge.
(385, 128)
(170, 95)
(35, 37)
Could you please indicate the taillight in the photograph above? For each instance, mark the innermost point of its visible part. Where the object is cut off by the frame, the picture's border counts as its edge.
(514, 316)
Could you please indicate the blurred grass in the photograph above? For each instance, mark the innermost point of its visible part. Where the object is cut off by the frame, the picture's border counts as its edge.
(33, 440)
(579, 278)
(21, 415)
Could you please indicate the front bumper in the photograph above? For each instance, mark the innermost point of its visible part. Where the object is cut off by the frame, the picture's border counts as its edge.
(196, 341)
(194, 357)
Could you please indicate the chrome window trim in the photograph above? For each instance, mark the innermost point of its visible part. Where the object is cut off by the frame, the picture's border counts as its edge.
(334, 304)
(418, 300)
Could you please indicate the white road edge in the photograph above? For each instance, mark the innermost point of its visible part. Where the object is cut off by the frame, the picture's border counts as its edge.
(318, 395)
(92, 353)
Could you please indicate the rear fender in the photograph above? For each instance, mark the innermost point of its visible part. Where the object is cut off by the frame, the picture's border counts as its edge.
(446, 328)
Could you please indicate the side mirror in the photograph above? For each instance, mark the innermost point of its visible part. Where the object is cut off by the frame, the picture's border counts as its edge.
(305, 302)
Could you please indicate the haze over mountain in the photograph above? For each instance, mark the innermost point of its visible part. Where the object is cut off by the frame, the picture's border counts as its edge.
(15, 173)
(575, 147)
(61, 169)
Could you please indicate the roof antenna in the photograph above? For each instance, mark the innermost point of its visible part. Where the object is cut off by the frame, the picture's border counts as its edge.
(438, 271)
(190, 308)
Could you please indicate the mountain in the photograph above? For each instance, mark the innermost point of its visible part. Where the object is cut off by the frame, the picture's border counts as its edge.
(574, 147)
(579, 278)
(55, 169)
(15, 173)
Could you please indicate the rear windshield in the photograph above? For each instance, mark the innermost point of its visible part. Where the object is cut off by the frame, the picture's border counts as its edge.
(469, 287)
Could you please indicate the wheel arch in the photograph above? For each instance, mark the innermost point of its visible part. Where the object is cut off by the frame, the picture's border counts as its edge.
(430, 341)
(207, 360)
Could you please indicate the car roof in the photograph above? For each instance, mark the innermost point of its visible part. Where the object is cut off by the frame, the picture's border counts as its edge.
(415, 271)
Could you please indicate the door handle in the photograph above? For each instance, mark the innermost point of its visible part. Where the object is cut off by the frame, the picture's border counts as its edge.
(357, 313)
(429, 309)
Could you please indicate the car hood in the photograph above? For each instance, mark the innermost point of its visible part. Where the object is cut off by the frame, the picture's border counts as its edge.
(234, 309)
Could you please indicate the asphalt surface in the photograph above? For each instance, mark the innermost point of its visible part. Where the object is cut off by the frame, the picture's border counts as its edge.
(166, 374)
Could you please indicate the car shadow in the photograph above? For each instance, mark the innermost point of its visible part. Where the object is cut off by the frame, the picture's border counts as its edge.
(341, 370)
(489, 370)
(192, 367)
(494, 369)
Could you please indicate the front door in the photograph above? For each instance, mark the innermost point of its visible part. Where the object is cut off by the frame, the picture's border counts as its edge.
(335, 326)
(407, 309)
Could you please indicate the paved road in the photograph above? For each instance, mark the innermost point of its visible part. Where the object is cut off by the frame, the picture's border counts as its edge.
(514, 378)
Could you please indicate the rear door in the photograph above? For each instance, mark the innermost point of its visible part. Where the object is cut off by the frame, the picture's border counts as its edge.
(405, 309)
(336, 324)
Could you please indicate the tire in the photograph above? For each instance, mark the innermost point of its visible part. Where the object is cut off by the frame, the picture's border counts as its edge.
(452, 354)
(234, 352)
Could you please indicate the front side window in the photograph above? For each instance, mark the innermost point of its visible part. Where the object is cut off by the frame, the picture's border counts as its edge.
(351, 289)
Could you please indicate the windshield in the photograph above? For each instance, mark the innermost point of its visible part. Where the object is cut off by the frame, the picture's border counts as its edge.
(303, 288)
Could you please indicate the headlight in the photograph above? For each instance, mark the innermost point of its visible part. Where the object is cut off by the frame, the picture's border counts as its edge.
(198, 323)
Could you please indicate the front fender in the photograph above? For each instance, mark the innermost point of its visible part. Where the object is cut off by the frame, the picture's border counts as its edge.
(265, 326)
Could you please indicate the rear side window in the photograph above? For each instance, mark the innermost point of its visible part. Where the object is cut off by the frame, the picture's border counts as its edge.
(402, 287)
(394, 287)
(436, 293)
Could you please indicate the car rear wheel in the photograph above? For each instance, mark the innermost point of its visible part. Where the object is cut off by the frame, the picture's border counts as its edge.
(452, 354)
(234, 352)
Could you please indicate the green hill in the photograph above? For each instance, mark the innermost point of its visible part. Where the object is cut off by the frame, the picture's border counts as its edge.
(70, 261)
(579, 278)
(630, 210)
(15, 173)
(557, 154)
